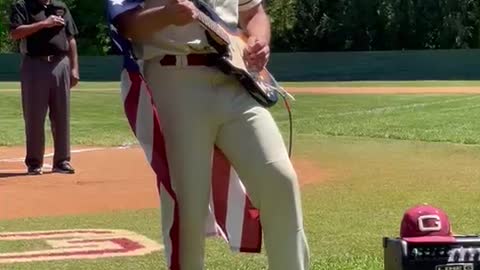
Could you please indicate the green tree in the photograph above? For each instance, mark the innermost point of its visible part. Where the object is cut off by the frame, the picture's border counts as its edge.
(89, 16)
(459, 27)
(320, 25)
(283, 19)
(6, 44)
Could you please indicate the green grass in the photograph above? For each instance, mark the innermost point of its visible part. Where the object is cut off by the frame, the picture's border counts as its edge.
(436, 83)
(383, 84)
(408, 117)
(81, 86)
(371, 183)
(22, 246)
(97, 117)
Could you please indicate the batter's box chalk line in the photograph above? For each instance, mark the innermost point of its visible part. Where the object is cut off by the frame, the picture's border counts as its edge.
(49, 166)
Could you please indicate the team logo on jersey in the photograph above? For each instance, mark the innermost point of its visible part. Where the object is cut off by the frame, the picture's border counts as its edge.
(79, 244)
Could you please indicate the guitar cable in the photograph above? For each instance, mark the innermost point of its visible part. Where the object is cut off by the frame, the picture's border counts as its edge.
(289, 111)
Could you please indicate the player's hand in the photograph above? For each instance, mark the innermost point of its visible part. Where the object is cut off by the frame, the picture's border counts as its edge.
(256, 54)
(74, 77)
(182, 11)
(53, 21)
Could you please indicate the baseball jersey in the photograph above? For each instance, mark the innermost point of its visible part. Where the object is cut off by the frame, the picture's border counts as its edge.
(186, 39)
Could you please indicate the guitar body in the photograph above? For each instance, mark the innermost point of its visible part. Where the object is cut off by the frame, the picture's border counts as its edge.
(261, 85)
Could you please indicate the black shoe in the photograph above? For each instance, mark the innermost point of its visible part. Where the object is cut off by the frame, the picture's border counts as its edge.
(64, 167)
(34, 170)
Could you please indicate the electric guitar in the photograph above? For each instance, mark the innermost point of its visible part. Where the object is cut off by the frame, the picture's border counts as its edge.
(230, 43)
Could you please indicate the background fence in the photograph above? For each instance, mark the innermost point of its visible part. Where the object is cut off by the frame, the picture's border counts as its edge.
(330, 66)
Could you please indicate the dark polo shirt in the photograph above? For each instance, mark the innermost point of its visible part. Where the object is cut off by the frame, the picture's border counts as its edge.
(48, 41)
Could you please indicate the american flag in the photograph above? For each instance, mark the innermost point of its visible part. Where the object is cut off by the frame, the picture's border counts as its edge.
(232, 215)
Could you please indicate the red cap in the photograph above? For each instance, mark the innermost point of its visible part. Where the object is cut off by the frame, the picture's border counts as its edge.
(425, 223)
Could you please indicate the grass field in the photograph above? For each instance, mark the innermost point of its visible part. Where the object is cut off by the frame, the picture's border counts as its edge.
(445, 118)
(437, 83)
(382, 154)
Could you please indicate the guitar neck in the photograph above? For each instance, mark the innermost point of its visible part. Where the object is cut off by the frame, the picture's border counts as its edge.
(213, 27)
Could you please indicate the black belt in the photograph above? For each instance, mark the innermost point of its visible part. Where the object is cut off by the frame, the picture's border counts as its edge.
(49, 58)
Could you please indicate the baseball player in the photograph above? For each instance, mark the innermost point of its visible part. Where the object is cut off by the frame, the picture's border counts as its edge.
(202, 108)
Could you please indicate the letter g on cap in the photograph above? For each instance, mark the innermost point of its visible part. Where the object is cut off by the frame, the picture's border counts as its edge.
(429, 223)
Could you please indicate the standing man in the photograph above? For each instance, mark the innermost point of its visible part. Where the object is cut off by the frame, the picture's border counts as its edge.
(201, 109)
(46, 31)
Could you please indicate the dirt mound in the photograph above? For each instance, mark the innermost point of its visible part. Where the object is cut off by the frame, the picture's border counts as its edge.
(106, 180)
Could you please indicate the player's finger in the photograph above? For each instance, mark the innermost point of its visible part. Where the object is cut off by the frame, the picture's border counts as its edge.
(257, 46)
(261, 57)
(251, 42)
(188, 8)
(256, 49)
(259, 52)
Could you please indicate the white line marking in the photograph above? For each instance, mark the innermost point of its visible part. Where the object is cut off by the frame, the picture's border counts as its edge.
(79, 244)
(50, 155)
(22, 159)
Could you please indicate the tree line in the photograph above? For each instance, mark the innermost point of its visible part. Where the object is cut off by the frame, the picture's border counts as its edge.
(320, 25)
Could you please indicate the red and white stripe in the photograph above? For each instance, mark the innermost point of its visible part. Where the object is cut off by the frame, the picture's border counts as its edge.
(232, 215)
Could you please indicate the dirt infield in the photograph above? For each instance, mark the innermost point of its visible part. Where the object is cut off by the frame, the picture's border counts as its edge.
(385, 90)
(106, 180)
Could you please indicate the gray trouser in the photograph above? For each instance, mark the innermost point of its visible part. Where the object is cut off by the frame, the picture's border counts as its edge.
(46, 87)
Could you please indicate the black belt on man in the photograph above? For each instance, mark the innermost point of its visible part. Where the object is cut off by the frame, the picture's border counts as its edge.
(49, 58)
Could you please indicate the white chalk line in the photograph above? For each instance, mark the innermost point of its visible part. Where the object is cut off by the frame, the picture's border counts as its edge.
(21, 159)
(49, 166)
(46, 166)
